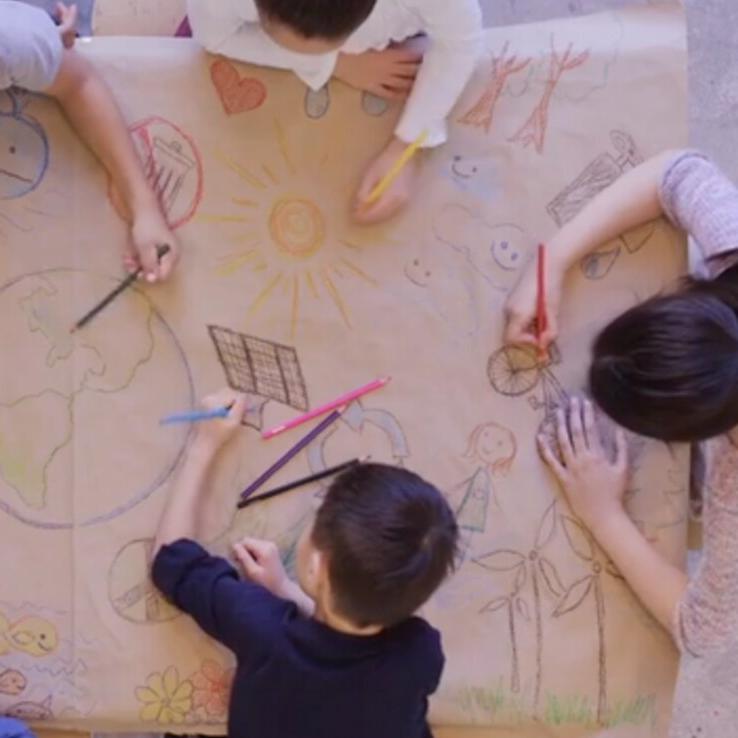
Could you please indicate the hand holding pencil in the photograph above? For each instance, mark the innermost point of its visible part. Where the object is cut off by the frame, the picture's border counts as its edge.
(523, 305)
(389, 182)
(216, 432)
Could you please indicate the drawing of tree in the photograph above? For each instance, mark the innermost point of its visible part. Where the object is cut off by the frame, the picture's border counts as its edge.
(581, 543)
(533, 565)
(507, 560)
(534, 129)
(481, 114)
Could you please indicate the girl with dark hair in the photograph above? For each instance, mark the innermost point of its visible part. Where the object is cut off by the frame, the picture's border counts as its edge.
(667, 368)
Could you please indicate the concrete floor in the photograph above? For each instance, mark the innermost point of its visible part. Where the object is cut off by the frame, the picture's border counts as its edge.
(713, 67)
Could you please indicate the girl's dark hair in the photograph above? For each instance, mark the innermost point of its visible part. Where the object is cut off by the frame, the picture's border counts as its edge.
(389, 538)
(668, 368)
(328, 19)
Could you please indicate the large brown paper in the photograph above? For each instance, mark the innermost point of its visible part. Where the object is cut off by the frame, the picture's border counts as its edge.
(282, 296)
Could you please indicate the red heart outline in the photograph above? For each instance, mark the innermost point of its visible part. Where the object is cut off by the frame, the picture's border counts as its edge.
(238, 94)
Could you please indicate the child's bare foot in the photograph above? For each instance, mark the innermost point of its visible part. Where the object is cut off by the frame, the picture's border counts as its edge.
(396, 196)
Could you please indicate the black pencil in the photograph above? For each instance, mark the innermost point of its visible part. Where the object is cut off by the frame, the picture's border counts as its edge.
(161, 252)
(299, 483)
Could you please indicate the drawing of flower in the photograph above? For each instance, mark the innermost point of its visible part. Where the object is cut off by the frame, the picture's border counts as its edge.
(165, 698)
(212, 689)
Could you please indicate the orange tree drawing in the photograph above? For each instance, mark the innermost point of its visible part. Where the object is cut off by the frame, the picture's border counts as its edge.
(534, 129)
(482, 113)
(524, 565)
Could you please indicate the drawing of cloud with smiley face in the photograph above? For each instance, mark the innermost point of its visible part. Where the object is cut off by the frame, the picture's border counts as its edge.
(495, 251)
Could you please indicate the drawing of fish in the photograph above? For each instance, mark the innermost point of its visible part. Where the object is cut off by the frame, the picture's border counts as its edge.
(12, 682)
(31, 710)
(30, 634)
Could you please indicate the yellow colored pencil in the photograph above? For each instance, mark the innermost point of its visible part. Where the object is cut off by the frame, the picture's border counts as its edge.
(393, 173)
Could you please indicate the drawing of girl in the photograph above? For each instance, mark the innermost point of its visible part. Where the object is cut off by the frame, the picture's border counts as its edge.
(493, 448)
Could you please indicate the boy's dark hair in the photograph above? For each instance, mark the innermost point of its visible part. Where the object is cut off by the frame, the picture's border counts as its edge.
(668, 368)
(328, 19)
(389, 539)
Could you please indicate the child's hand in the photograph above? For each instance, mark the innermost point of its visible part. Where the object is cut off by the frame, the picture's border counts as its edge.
(396, 196)
(521, 307)
(262, 565)
(594, 484)
(211, 435)
(66, 15)
(389, 74)
(148, 231)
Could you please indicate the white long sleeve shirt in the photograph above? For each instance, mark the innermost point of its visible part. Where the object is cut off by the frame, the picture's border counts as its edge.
(454, 29)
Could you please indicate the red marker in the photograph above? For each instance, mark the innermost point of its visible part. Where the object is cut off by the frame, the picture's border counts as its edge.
(542, 317)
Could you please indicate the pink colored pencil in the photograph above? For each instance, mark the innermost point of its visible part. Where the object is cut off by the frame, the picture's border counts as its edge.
(346, 399)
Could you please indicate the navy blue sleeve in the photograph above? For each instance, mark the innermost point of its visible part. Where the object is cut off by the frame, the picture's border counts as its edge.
(435, 660)
(426, 654)
(238, 614)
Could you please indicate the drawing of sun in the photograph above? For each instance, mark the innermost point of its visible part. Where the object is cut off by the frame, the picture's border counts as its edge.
(303, 250)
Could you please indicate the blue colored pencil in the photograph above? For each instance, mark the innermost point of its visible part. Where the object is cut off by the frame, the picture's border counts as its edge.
(195, 416)
(299, 446)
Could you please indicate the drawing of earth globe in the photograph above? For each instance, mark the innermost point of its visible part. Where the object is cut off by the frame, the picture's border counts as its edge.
(80, 441)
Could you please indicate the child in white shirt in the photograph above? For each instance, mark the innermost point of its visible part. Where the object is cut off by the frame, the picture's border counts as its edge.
(357, 41)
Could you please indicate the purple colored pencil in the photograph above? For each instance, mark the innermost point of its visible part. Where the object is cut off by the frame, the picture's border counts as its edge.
(299, 446)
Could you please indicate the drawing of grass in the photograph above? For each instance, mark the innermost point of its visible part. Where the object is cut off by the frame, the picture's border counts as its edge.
(579, 710)
(498, 704)
(504, 707)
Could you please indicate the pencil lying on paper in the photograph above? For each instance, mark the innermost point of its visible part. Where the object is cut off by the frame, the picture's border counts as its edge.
(299, 483)
(299, 446)
(346, 399)
(161, 252)
(394, 172)
(542, 318)
(195, 416)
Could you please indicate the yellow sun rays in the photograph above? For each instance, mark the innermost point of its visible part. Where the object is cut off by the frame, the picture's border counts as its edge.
(288, 238)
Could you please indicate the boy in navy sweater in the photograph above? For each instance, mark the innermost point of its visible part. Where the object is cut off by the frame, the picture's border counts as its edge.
(339, 655)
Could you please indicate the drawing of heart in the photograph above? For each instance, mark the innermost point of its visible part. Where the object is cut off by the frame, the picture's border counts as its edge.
(238, 94)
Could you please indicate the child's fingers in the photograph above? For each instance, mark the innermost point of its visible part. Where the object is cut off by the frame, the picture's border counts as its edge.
(551, 459)
(239, 407)
(167, 264)
(150, 262)
(404, 56)
(621, 450)
(551, 333)
(260, 550)
(391, 94)
(562, 435)
(590, 427)
(249, 564)
(518, 329)
(578, 437)
(403, 84)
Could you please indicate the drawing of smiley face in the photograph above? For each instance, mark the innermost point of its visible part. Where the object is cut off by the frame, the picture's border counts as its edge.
(506, 254)
(495, 444)
(472, 175)
(418, 272)
(508, 247)
(462, 168)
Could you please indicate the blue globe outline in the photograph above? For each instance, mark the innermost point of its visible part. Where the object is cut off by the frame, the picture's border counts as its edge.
(168, 470)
